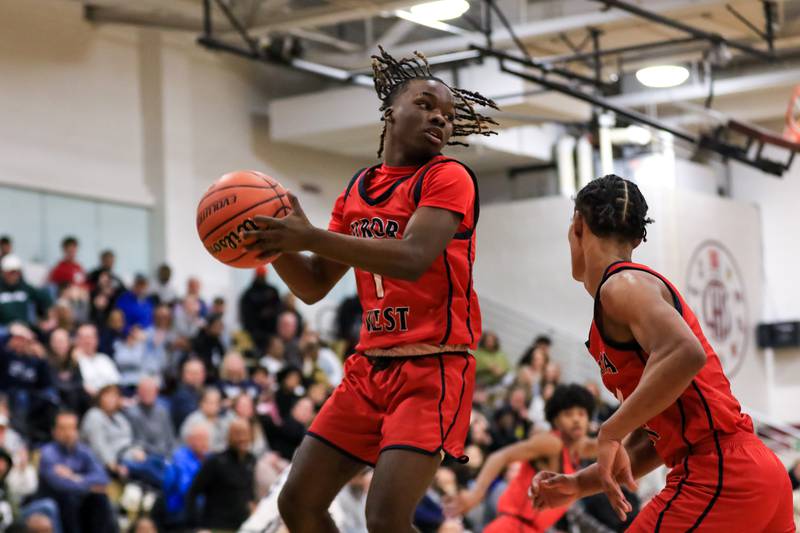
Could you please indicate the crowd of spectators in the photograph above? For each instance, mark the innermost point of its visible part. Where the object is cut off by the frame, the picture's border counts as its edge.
(137, 405)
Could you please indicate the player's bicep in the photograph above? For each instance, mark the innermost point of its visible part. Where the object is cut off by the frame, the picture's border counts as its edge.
(430, 229)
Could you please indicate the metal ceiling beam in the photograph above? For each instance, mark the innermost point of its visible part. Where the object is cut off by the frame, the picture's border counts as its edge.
(714, 38)
(328, 15)
(396, 33)
(324, 38)
(546, 26)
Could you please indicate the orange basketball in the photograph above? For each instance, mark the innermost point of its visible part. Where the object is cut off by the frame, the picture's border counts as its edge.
(227, 209)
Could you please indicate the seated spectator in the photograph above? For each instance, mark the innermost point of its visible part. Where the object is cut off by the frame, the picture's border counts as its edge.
(110, 436)
(259, 307)
(151, 423)
(274, 360)
(290, 389)
(285, 434)
(162, 292)
(552, 373)
(97, 369)
(288, 332)
(187, 319)
(25, 378)
(74, 304)
(182, 469)
(320, 363)
(193, 289)
(210, 412)
(244, 409)
(103, 297)
(208, 347)
(135, 361)
(71, 475)
(6, 506)
(509, 427)
(187, 395)
(68, 271)
(61, 315)
(160, 342)
(107, 259)
(40, 523)
(6, 246)
(135, 304)
(19, 302)
(290, 306)
(66, 374)
(112, 331)
(491, 364)
(21, 479)
(227, 481)
(536, 410)
(233, 377)
(348, 322)
(530, 368)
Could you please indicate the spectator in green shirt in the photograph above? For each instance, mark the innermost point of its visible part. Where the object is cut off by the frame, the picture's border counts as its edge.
(491, 364)
(19, 302)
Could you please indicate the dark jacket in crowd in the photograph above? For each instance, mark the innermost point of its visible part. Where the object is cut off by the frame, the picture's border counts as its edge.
(227, 482)
(184, 402)
(210, 350)
(259, 308)
(22, 303)
(283, 438)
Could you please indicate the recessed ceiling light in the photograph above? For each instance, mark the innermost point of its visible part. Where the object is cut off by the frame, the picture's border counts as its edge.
(660, 76)
(440, 9)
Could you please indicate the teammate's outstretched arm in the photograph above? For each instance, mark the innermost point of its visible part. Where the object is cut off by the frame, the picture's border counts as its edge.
(427, 234)
(550, 489)
(540, 445)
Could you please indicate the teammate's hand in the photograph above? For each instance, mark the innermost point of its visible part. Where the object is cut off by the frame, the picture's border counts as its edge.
(276, 235)
(550, 490)
(614, 466)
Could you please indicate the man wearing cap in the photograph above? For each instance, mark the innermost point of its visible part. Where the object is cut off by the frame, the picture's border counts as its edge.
(19, 302)
(135, 304)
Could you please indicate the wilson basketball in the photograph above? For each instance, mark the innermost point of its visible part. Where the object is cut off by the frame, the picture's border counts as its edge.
(227, 209)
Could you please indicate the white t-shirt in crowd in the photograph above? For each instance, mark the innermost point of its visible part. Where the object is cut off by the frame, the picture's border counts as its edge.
(97, 371)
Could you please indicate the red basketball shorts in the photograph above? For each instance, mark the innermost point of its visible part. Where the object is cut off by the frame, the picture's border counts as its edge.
(745, 489)
(414, 403)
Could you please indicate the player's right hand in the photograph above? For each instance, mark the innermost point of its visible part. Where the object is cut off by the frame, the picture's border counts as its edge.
(551, 490)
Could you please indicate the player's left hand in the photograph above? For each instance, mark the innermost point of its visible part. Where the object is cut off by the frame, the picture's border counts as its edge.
(276, 235)
(614, 466)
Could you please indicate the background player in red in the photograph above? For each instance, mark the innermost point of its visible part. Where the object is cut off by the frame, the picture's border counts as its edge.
(568, 411)
(407, 227)
(677, 407)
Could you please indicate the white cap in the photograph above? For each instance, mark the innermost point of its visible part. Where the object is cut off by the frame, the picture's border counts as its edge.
(11, 262)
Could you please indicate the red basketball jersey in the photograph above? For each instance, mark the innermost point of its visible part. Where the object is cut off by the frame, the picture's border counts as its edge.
(438, 312)
(515, 501)
(706, 411)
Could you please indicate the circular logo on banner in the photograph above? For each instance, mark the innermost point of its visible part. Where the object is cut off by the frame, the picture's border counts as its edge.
(716, 294)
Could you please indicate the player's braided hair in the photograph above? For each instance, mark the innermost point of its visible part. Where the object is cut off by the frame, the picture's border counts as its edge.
(613, 206)
(391, 76)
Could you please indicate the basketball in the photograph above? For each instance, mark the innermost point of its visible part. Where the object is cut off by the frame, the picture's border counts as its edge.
(228, 208)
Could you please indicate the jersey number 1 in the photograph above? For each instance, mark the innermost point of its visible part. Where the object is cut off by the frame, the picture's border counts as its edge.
(378, 285)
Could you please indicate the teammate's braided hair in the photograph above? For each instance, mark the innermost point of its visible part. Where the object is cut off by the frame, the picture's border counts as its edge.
(566, 397)
(391, 76)
(613, 206)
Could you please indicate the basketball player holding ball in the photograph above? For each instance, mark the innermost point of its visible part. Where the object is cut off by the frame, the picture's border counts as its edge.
(677, 407)
(407, 228)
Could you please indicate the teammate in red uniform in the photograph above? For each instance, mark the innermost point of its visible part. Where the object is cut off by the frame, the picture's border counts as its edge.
(677, 408)
(568, 411)
(407, 227)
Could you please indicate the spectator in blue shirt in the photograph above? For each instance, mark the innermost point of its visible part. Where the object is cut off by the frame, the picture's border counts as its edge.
(183, 468)
(71, 475)
(186, 398)
(135, 304)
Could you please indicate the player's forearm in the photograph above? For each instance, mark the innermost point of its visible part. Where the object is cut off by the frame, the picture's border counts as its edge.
(304, 275)
(643, 457)
(491, 469)
(393, 258)
(666, 376)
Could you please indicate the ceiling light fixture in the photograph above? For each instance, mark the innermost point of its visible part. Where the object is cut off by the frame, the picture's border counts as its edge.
(661, 76)
(440, 10)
